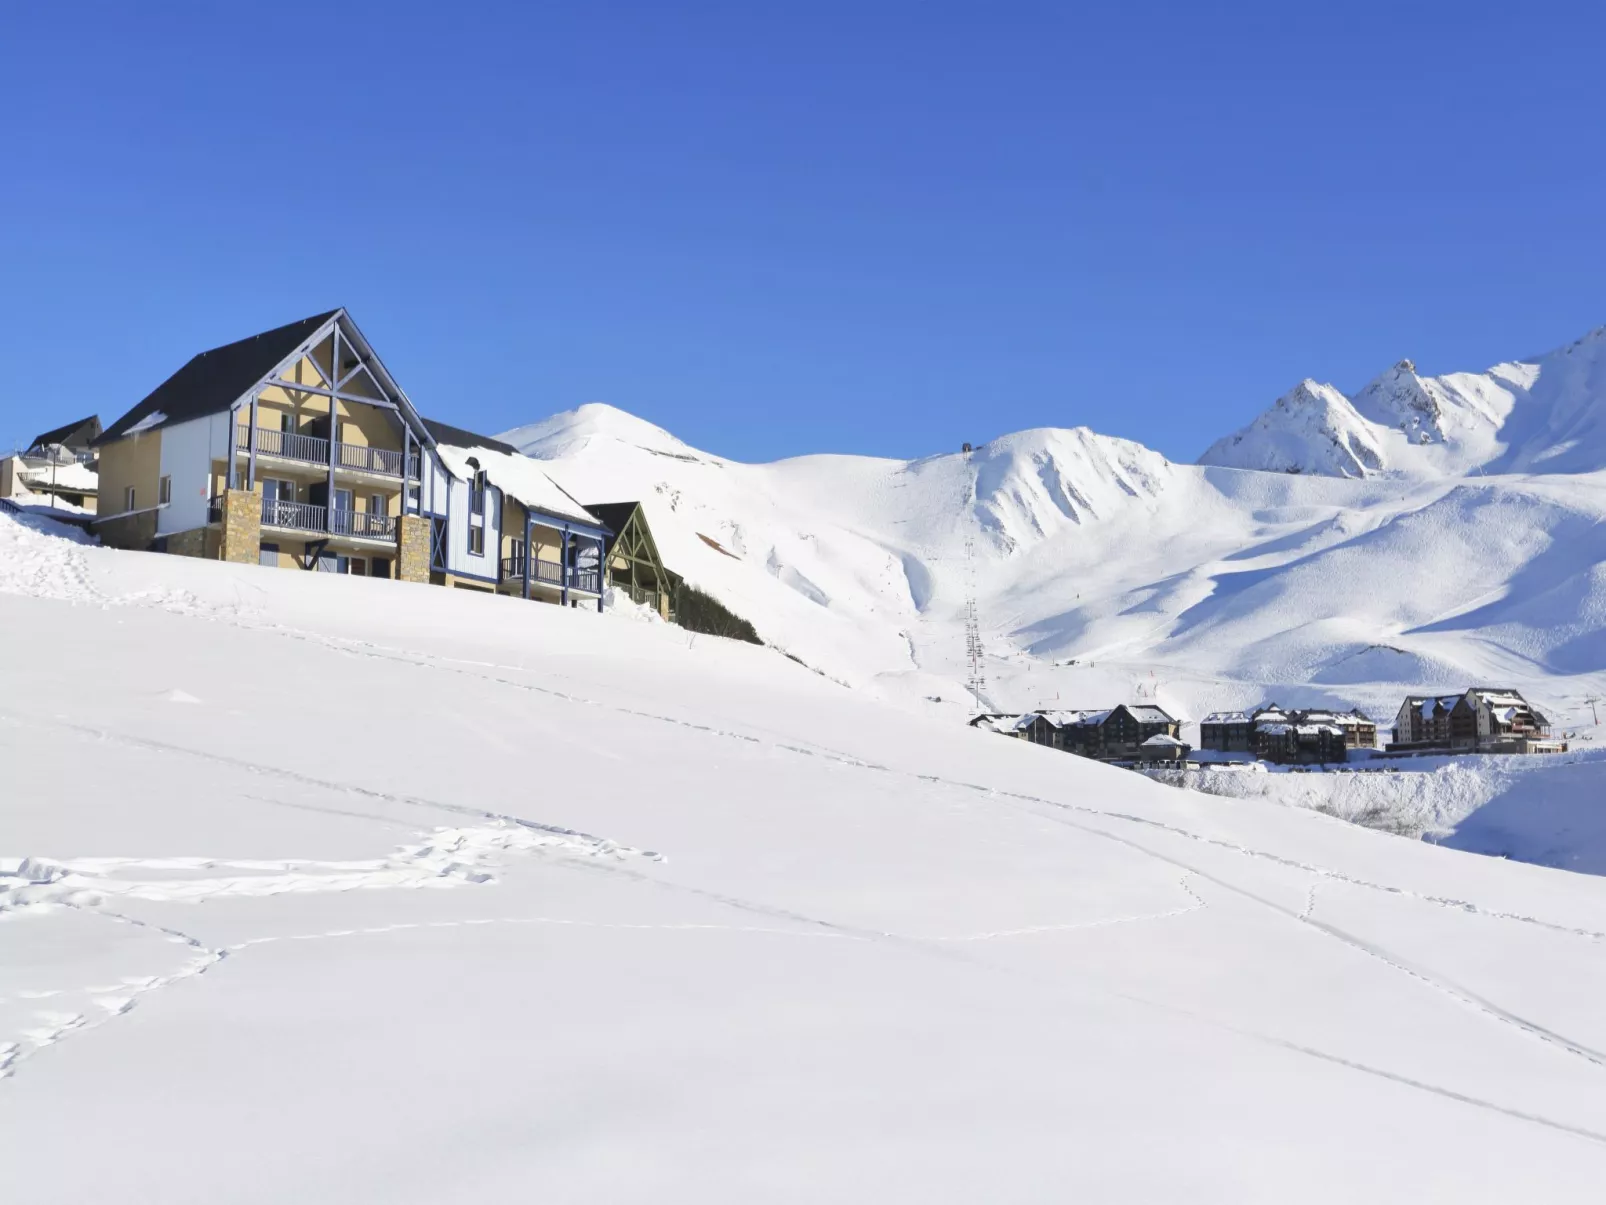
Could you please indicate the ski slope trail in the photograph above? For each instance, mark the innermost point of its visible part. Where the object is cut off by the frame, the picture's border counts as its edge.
(352, 869)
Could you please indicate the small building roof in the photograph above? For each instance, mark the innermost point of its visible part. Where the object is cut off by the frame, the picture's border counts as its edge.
(458, 437)
(79, 434)
(995, 723)
(72, 477)
(509, 470)
(1226, 717)
(1163, 740)
(1147, 714)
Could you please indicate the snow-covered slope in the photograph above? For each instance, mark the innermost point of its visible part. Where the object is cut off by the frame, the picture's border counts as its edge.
(1546, 415)
(328, 889)
(1104, 573)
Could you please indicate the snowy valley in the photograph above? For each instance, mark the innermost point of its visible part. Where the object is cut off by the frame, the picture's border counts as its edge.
(1427, 535)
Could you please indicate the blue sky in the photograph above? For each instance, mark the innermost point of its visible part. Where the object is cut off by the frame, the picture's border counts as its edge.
(787, 228)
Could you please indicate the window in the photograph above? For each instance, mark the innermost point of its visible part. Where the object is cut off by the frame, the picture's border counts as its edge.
(164, 491)
(343, 500)
(268, 554)
(128, 498)
(378, 504)
(287, 423)
(379, 567)
(476, 494)
(278, 491)
(476, 541)
(359, 567)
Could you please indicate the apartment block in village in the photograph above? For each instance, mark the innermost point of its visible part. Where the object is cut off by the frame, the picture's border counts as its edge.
(1288, 736)
(1136, 732)
(1479, 720)
(58, 467)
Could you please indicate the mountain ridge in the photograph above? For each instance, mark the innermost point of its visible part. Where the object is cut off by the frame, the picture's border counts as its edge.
(1103, 571)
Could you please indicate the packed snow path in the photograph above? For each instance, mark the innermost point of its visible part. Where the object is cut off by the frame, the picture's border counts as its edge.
(328, 889)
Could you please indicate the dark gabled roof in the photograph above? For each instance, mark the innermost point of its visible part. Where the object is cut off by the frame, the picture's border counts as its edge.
(614, 514)
(456, 437)
(212, 381)
(87, 429)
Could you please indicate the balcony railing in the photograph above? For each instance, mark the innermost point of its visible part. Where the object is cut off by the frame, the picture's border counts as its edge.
(288, 445)
(368, 460)
(307, 516)
(364, 525)
(311, 449)
(549, 572)
(297, 516)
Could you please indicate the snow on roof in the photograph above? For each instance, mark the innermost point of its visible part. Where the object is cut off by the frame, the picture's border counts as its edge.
(73, 476)
(519, 476)
(1273, 729)
(996, 723)
(1348, 719)
(1316, 729)
(1226, 717)
(1440, 701)
(1067, 718)
(154, 419)
(1162, 739)
(1501, 699)
(1150, 715)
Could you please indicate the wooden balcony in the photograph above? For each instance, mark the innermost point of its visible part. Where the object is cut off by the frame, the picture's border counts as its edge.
(321, 520)
(549, 573)
(313, 450)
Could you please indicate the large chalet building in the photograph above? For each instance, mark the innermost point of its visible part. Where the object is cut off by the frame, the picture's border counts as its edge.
(1136, 732)
(1288, 736)
(1479, 720)
(296, 448)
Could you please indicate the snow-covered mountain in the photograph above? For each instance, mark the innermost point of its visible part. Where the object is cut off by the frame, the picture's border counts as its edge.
(1438, 532)
(1534, 416)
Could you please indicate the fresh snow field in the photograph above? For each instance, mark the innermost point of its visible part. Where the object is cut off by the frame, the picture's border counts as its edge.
(324, 889)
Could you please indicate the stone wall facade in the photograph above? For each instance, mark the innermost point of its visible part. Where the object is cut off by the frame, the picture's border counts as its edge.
(135, 532)
(242, 525)
(412, 549)
(189, 543)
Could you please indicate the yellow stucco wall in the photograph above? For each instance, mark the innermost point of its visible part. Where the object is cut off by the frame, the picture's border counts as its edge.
(134, 460)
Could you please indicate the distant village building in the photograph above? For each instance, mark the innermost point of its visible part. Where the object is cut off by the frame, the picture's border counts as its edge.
(58, 466)
(1000, 722)
(1305, 736)
(1479, 720)
(1118, 733)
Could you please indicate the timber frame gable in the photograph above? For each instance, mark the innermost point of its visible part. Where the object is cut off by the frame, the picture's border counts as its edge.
(634, 565)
